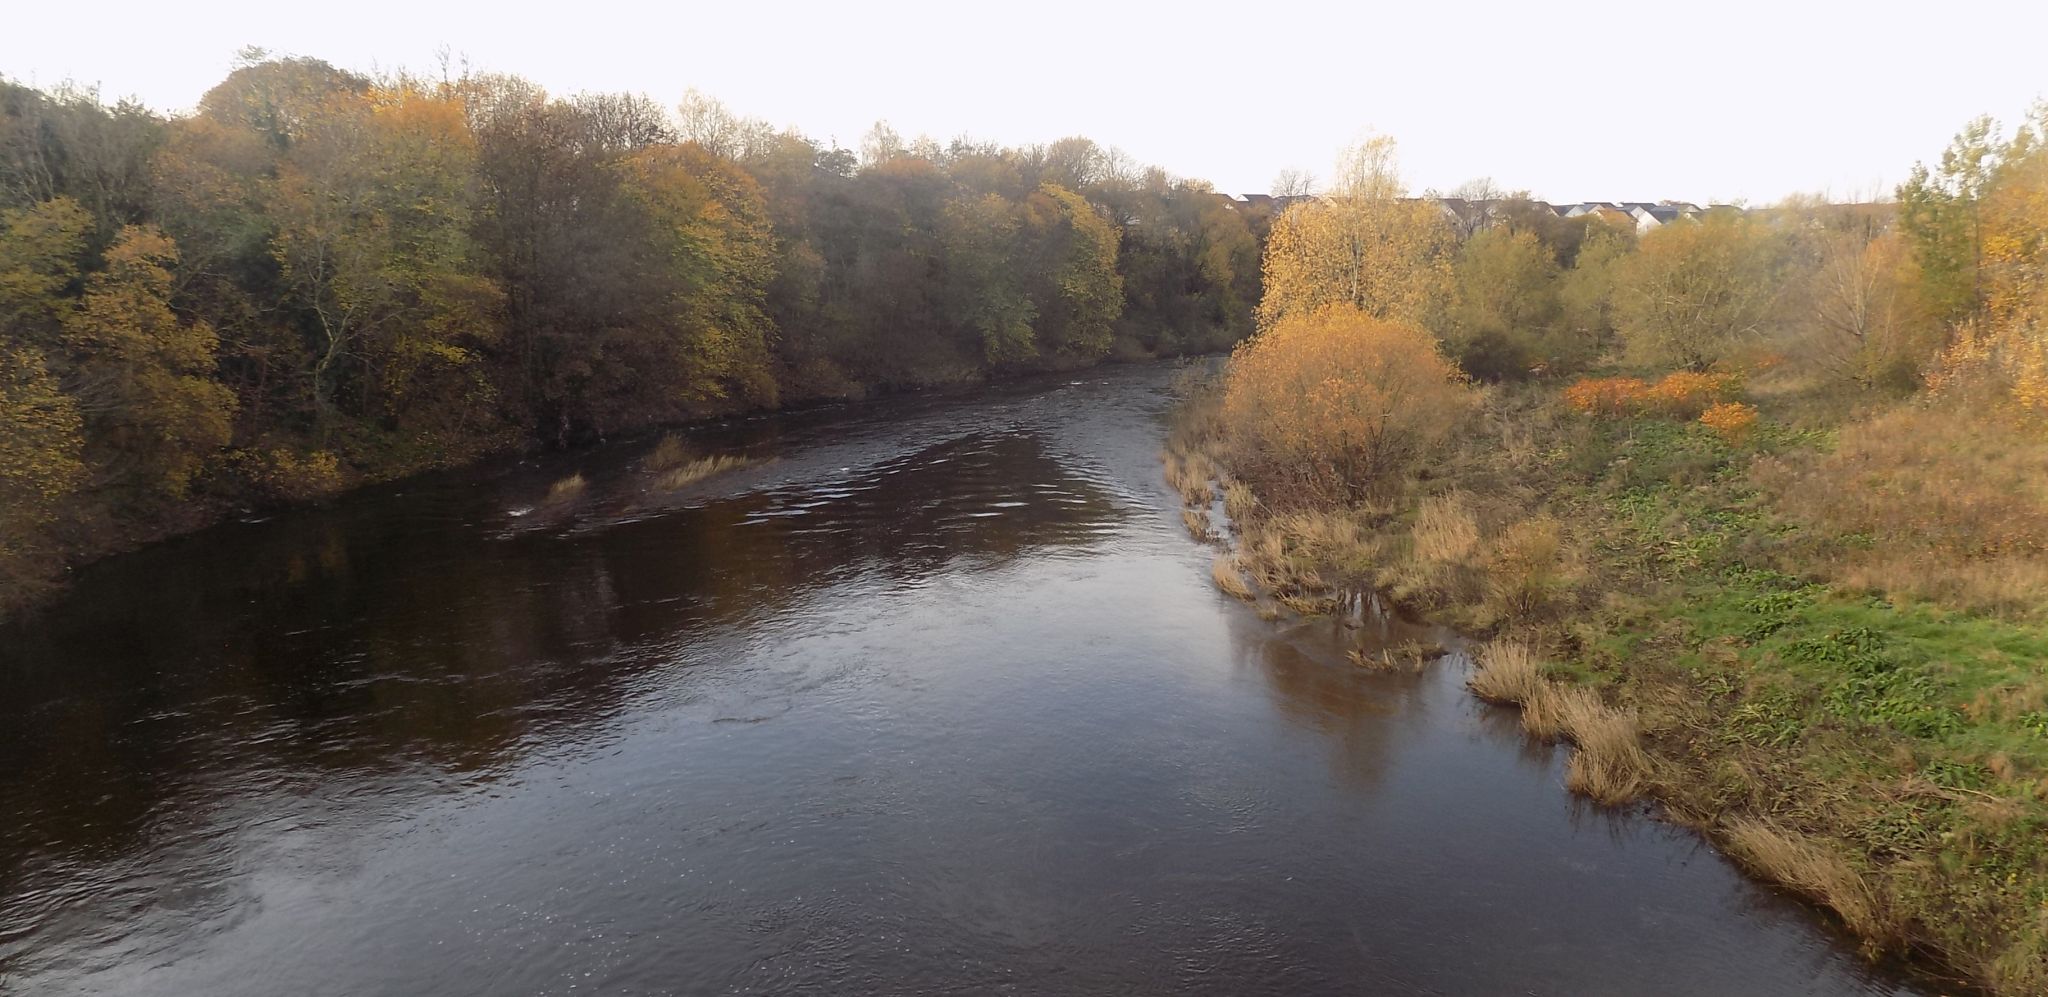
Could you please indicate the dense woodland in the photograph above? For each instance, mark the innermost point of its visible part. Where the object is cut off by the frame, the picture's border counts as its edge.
(322, 278)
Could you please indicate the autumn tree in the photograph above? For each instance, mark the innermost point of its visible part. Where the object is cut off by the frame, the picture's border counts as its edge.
(41, 464)
(1077, 291)
(1940, 213)
(142, 377)
(1585, 291)
(1695, 292)
(1504, 305)
(1362, 244)
(40, 250)
(1859, 306)
(709, 256)
(1335, 402)
(373, 206)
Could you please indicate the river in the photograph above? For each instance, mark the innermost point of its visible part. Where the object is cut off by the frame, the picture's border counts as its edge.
(936, 699)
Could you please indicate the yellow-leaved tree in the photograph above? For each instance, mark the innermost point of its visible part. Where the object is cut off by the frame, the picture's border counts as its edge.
(144, 379)
(1363, 244)
(1332, 403)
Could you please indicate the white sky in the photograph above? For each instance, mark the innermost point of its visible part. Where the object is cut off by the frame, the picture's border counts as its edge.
(1633, 100)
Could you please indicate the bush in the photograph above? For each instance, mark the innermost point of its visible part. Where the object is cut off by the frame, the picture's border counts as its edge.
(1333, 404)
(1733, 421)
(286, 476)
(1681, 394)
(1608, 396)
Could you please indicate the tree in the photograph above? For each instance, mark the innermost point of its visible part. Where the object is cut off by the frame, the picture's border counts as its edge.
(1078, 293)
(1293, 183)
(1939, 210)
(712, 255)
(1586, 291)
(40, 247)
(1504, 305)
(1693, 292)
(373, 205)
(1335, 402)
(144, 379)
(1866, 320)
(40, 466)
(1363, 244)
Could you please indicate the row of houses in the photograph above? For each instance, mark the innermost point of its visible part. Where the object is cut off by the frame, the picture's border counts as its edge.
(1472, 215)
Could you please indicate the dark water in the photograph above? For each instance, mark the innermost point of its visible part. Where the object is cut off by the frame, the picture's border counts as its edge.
(938, 701)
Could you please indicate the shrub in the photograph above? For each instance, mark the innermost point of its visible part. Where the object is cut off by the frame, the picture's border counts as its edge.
(1684, 394)
(1608, 396)
(1527, 567)
(287, 476)
(1732, 421)
(1681, 394)
(1332, 404)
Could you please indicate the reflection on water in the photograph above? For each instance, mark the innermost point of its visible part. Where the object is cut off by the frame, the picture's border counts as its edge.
(935, 699)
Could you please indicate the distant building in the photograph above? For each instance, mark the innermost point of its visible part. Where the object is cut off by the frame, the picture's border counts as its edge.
(1469, 216)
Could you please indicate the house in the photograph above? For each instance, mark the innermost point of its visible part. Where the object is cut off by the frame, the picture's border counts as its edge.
(1652, 216)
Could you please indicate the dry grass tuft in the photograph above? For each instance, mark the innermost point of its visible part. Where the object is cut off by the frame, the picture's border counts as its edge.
(1809, 867)
(667, 455)
(1228, 578)
(1609, 765)
(567, 490)
(1445, 533)
(1197, 523)
(1238, 501)
(1541, 715)
(1189, 473)
(1506, 672)
(699, 469)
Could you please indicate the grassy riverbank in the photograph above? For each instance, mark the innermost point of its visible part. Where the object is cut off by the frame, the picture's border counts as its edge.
(1815, 636)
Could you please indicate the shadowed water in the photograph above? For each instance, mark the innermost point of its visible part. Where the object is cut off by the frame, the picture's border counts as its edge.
(936, 699)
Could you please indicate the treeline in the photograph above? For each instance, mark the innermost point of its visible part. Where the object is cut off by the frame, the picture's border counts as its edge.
(321, 278)
(1865, 293)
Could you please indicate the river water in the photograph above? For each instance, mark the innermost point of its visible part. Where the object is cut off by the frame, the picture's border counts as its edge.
(938, 699)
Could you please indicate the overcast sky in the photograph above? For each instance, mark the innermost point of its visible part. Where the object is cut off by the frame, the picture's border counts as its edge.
(1585, 100)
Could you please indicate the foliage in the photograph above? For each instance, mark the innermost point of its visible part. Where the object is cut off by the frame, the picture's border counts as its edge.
(1334, 402)
(320, 278)
(1733, 421)
(1693, 293)
(1505, 300)
(1680, 394)
(1363, 245)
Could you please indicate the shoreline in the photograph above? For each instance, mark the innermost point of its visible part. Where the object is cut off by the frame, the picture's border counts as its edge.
(24, 601)
(1635, 740)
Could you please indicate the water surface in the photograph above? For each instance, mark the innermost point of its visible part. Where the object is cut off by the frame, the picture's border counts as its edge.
(938, 699)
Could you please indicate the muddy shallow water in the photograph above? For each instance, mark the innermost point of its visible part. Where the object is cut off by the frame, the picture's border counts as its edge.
(937, 699)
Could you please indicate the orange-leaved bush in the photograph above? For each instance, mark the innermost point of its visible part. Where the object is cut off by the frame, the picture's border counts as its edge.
(1680, 394)
(1732, 421)
(1332, 403)
(1610, 396)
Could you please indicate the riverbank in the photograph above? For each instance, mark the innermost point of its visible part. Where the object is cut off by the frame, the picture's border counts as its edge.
(1752, 623)
(936, 697)
(266, 483)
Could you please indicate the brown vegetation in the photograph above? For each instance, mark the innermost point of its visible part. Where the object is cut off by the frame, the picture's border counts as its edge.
(697, 469)
(1334, 404)
(1224, 571)
(565, 491)
(1793, 588)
